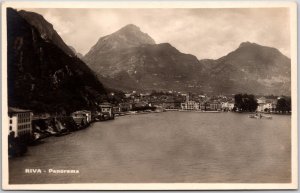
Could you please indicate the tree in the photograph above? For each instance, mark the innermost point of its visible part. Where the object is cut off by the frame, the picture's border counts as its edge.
(284, 104)
(245, 102)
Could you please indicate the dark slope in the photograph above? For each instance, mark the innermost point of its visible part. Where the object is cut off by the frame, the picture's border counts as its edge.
(41, 75)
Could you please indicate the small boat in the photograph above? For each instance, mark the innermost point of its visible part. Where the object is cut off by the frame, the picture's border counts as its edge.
(259, 116)
(267, 117)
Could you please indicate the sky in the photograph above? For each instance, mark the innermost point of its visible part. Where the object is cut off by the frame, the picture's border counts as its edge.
(205, 33)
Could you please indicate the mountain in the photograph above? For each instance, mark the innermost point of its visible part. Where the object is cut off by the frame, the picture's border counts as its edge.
(251, 68)
(79, 55)
(42, 74)
(45, 29)
(129, 59)
(127, 37)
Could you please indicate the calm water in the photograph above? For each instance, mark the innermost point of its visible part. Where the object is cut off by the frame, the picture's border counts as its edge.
(166, 147)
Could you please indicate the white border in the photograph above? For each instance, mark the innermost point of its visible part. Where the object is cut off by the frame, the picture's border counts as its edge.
(155, 4)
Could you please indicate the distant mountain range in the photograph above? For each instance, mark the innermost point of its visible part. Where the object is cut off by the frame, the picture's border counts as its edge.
(47, 75)
(44, 74)
(251, 68)
(129, 59)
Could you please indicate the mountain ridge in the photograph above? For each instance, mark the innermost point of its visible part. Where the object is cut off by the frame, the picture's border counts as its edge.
(42, 76)
(126, 37)
(249, 68)
(46, 30)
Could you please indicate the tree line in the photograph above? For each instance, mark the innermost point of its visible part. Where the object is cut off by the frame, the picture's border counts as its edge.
(248, 103)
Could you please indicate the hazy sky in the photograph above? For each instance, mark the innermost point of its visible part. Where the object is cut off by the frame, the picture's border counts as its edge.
(205, 33)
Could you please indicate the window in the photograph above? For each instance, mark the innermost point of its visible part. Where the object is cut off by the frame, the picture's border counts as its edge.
(10, 128)
(10, 121)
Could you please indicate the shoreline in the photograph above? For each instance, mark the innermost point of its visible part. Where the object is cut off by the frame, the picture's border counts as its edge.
(41, 134)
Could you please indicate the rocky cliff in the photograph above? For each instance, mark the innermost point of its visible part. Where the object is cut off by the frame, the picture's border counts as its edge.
(43, 75)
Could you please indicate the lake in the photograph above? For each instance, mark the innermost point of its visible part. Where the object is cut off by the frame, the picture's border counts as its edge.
(165, 147)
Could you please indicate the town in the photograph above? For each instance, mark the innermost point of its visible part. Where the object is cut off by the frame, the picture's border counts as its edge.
(27, 128)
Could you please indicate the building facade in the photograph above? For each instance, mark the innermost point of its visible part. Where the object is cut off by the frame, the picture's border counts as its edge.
(82, 117)
(266, 105)
(227, 106)
(125, 107)
(215, 106)
(190, 105)
(106, 108)
(20, 121)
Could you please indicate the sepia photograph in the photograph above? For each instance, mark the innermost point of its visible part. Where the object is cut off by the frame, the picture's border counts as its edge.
(149, 95)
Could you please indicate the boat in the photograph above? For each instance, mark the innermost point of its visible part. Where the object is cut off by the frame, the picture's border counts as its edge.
(208, 111)
(260, 116)
(267, 117)
(171, 109)
(198, 111)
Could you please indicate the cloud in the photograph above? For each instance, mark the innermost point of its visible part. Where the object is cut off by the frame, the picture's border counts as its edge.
(205, 33)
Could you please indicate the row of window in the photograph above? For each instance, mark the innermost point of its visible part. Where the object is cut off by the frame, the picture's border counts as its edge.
(23, 115)
(25, 120)
(26, 126)
(23, 132)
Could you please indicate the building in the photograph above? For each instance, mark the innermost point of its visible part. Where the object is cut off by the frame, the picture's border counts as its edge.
(266, 105)
(88, 115)
(82, 117)
(227, 106)
(189, 105)
(215, 106)
(203, 106)
(127, 95)
(169, 104)
(116, 109)
(106, 108)
(20, 121)
(230, 106)
(125, 107)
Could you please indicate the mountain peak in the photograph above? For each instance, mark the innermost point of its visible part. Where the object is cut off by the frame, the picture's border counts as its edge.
(127, 37)
(246, 44)
(132, 34)
(130, 27)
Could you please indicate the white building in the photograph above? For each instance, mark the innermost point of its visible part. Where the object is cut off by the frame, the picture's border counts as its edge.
(266, 104)
(20, 121)
(227, 106)
(106, 108)
(190, 105)
(230, 106)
